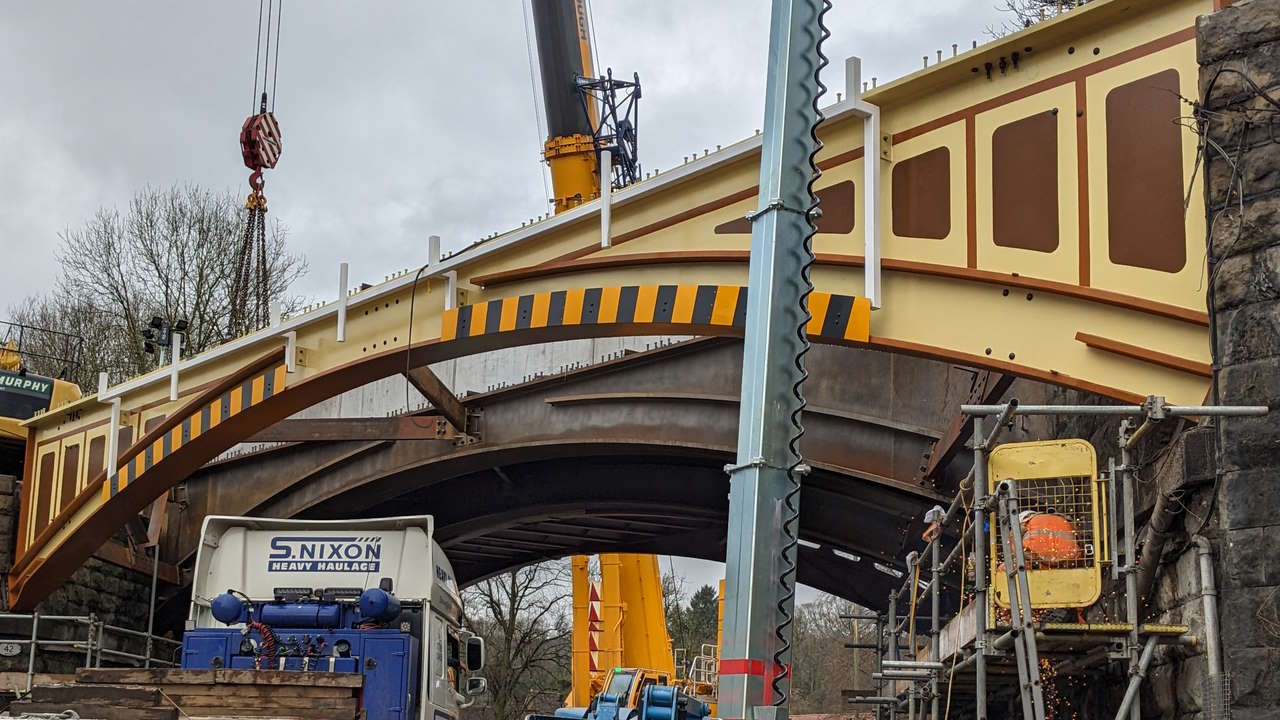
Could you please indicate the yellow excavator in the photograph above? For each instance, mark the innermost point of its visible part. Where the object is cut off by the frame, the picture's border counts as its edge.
(22, 395)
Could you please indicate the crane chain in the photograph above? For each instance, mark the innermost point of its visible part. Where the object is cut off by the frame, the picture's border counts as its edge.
(251, 287)
(264, 285)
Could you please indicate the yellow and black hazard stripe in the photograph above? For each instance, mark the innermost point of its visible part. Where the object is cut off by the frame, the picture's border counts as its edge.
(253, 390)
(836, 318)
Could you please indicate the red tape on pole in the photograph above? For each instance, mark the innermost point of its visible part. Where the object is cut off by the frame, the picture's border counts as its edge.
(742, 667)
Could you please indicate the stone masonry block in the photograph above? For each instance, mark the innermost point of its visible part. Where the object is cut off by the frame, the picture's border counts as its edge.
(1254, 383)
(1256, 169)
(1252, 713)
(1261, 227)
(1249, 498)
(1255, 676)
(1249, 558)
(1249, 332)
(1250, 277)
(7, 484)
(1225, 84)
(1162, 686)
(1177, 589)
(1250, 443)
(1236, 29)
(1191, 677)
(1249, 617)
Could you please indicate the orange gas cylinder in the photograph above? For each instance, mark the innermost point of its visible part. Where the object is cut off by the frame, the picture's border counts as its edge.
(1049, 539)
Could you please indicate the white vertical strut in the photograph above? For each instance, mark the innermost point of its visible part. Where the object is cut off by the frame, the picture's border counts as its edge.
(342, 302)
(606, 196)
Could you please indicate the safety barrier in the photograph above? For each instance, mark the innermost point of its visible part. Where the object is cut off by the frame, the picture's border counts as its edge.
(94, 643)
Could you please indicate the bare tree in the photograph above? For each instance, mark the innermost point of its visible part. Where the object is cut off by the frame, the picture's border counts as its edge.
(524, 618)
(172, 253)
(1025, 13)
(692, 621)
(822, 666)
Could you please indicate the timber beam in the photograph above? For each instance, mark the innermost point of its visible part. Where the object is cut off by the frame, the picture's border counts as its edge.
(123, 556)
(441, 397)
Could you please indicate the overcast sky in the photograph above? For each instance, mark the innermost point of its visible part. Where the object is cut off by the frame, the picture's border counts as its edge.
(400, 119)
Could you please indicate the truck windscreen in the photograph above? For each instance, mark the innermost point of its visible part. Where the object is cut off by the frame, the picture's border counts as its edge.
(22, 396)
(620, 685)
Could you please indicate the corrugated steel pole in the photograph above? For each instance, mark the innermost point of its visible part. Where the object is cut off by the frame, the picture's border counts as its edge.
(765, 481)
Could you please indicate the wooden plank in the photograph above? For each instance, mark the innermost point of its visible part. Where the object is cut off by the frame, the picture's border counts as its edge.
(253, 691)
(96, 711)
(16, 680)
(119, 696)
(164, 677)
(227, 716)
(154, 676)
(118, 553)
(196, 704)
(276, 713)
(288, 677)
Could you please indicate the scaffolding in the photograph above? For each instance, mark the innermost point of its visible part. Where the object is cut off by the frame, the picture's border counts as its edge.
(84, 633)
(997, 646)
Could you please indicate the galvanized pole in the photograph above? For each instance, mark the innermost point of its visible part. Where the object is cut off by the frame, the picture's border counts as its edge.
(980, 567)
(935, 628)
(1129, 570)
(879, 664)
(88, 645)
(31, 651)
(151, 612)
(892, 650)
(765, 481)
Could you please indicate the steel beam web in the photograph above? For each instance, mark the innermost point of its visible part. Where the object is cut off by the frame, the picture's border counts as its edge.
(765, 481)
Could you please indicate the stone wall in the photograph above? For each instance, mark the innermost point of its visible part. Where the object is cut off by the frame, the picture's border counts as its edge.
(1176, 682)
(8, 529)
(116, 595)
(1239, 53)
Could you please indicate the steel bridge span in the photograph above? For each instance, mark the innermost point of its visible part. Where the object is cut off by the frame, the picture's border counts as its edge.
(625, 455)
(1023, 223)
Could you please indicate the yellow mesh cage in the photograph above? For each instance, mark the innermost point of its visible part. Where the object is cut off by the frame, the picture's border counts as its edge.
(1053, 477)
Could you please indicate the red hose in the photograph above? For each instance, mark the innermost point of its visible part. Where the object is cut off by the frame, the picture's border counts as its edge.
(268, 646)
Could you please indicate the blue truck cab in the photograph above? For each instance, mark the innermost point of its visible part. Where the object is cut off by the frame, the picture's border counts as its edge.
(375, 597)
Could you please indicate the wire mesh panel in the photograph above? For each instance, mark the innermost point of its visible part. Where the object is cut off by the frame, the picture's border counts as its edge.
(1057, 518)
(1216, 703)
(1058, 512)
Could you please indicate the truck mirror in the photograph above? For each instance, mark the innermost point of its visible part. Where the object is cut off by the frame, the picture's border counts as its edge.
(477, 686)
(475, 654)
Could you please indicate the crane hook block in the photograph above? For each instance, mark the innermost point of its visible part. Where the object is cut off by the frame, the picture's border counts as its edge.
(260, 141)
